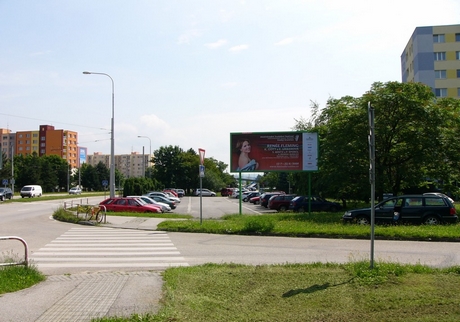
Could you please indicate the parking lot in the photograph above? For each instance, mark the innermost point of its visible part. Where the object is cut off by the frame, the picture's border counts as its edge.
(216, 207)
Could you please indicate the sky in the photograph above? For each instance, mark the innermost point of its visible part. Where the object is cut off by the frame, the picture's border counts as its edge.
(189, 73)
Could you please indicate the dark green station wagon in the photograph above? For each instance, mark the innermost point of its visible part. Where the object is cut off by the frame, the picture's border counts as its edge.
(426, 209)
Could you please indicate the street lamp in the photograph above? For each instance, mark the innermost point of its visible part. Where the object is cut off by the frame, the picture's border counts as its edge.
(112, 143)
(150, 151)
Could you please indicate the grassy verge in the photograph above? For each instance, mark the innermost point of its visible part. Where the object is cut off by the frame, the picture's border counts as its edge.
(15, 278)
(69, 215)
(327, 225)
(308, 292)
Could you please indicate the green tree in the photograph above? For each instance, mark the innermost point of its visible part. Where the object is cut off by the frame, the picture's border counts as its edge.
(168, 167)
(408, 129)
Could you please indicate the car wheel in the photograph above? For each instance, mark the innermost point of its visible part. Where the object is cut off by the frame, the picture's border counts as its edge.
(431, 220)
(282, 208)
(362, 220)
(333, 208)
(301, 209)
(245, 199)
(2, 198)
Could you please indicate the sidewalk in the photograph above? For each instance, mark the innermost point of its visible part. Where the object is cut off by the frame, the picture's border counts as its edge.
(81, 297)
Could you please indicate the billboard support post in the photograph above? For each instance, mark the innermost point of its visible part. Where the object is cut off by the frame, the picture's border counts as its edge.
(201, 175)
(239, 192)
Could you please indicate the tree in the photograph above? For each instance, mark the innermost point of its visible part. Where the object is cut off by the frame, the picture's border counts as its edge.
(408, 127)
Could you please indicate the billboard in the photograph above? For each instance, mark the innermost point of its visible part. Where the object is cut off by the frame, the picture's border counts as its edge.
(274, 151)
(82, 152)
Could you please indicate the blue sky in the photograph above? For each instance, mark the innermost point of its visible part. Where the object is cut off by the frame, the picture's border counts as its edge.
(189, 73)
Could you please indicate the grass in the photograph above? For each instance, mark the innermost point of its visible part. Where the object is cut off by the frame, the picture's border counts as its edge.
(307, 292)
(326, 225)
(17, 277)
(69, 215)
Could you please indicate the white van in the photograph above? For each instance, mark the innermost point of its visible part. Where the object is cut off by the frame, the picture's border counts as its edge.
(31, 191)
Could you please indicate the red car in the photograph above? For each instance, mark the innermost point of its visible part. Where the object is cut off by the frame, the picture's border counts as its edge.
(255, 200)
(129, 205)
(280, 202)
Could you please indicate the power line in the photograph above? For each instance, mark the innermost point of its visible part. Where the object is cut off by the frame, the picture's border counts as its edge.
(54, 122)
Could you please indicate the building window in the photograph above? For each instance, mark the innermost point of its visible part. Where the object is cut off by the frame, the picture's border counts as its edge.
(438, 38)
(440, 55)
(458, 73)
(457, 55)
(440, 74)
(42, 138)
(457, 37)
(441, 92)
(458, 92)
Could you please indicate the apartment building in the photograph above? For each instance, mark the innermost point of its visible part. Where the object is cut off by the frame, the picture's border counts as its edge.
(7, 139)
(130, 165)
(432, 57)
(45, 141)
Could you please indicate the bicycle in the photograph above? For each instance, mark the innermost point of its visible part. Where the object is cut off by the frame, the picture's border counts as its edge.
(91, 212)
(94, 212)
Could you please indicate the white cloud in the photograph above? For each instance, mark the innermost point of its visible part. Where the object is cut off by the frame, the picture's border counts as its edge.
(238, 48)
(285, 42)
(229, 85)
(188, 36)
(217, 44)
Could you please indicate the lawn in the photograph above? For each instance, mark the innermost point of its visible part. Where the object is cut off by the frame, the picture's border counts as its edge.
(308, 292)
(320, 224)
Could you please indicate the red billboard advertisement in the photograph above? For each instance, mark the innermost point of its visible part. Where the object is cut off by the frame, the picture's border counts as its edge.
(274, 151)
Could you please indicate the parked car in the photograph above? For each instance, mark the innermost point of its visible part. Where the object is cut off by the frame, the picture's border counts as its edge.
(75, 191)
(250, 195)
(129, 204)
(225, 192)
(266, 196)
(172, 197)
(440, 195)
(5, 193)
(280, 202)
(205, 192)
(255, 200)
(301, 204)
(180, 192)
(172, 191)
(427, 209)
(31, 191)
(164, 207)
(165, 200)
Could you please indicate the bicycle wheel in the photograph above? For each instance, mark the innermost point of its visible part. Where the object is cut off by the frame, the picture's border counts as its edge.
(99, 216)
(89, 214)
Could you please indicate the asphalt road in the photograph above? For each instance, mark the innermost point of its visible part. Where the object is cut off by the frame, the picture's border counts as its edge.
(33, 222)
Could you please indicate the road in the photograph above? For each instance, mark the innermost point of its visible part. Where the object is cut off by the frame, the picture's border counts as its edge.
(60, 248)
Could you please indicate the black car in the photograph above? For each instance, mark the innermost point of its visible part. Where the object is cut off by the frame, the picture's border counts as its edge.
(427, 209)
(5, 193)
(250, 195)
(302, 204)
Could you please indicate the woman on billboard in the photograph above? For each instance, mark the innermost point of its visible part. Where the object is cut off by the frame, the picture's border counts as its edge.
(245, 163)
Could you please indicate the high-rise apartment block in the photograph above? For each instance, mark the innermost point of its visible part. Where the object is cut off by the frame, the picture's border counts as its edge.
(130, 165)
(46, 141)
(432, 57)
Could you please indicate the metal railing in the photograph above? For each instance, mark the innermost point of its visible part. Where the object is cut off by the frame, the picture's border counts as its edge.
(26, 252)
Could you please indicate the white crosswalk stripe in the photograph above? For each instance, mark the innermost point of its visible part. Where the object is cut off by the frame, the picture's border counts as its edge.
(99, 247)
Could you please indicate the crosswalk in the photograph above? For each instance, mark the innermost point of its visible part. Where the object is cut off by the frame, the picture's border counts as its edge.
(104, 248)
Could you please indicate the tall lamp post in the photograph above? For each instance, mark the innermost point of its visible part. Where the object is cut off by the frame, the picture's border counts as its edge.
(150, 151)
(112, 140)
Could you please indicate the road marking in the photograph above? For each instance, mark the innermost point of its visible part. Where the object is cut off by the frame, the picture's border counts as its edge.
(99, 247)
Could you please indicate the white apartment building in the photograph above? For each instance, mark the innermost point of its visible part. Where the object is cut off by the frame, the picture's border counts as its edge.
(130, 165)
